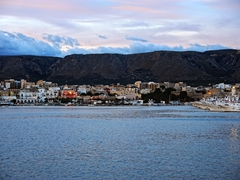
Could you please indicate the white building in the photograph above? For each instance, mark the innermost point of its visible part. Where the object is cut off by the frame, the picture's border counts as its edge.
(82, 90)
(223, 86)
(145, 91)
(26, 97)
(44, 94)
(8, 98)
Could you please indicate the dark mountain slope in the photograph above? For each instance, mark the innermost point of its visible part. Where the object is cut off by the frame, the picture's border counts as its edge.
(26, 67)
(156, 66)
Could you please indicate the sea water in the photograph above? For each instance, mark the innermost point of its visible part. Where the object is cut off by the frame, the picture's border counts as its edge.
(125, 142)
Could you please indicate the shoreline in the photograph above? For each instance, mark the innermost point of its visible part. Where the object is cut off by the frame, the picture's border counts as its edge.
(215, 107)
(73, 104)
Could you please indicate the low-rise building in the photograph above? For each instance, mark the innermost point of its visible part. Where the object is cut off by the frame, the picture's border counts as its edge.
(71, 94)
(26, 96)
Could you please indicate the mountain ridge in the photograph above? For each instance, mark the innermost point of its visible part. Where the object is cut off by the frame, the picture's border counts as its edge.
(158, 66)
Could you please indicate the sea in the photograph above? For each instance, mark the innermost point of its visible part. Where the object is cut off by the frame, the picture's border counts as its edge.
(118, 142)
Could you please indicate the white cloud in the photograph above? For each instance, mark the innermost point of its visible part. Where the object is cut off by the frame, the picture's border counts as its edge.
(201, 48)
(117, 18)
(19, 44)
(59, 41)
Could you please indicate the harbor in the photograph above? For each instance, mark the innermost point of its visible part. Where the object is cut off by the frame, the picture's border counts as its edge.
(228, 103)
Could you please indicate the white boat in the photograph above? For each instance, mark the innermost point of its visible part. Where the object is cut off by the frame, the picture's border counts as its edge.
(227, 104)
(5, 103)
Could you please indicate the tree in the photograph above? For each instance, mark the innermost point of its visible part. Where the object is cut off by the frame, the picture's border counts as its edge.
(168, 96)
(14, 101)
(183, 96)
(66, 100)
(162, 87)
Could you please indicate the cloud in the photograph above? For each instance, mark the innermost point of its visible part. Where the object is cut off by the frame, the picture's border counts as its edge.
(180, 22)
(114, 50)
(137, 47)
(19, 44)
(102, 37)
(59, 41)
(202, 48)
(135, 39)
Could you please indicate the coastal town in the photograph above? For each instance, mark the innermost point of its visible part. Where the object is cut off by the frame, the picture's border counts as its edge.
(21, 92)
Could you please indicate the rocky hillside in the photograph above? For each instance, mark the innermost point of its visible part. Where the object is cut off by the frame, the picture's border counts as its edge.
(159, 66)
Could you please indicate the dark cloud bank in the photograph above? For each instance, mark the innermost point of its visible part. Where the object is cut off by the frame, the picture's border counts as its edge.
(19, 44)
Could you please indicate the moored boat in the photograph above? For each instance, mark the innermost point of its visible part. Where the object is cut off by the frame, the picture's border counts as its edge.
(218, 104)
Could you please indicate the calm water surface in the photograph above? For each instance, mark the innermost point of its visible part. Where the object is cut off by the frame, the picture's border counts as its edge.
(165, 142)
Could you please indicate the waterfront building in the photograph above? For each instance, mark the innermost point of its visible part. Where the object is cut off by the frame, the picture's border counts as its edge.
(8, 98)
(50, 93)
(70, 94)
(26, 96)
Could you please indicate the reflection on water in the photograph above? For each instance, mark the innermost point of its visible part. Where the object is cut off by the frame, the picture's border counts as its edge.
(234, 133)
(167, 142)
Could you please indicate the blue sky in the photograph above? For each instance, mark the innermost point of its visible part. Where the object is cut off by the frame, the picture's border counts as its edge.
(62, 27)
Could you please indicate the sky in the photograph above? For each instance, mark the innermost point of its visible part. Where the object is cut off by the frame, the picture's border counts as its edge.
(63, 27)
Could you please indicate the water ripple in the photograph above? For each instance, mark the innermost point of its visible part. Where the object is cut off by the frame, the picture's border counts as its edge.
(118, 143)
